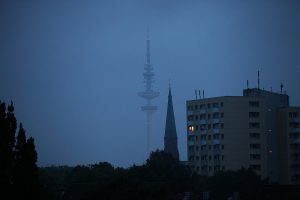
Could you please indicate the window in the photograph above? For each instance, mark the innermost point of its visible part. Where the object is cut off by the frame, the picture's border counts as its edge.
(222, 146)
(294, 125)
(216, 125)
(202, 106)
(203, 147)
(196, 107)
(217, 157)
(254, 156)
(208, 105)
(222, 125)
(254, 125)
(191, 128)
(294, 135)
(196, 117)
(209, 126)
(254, 146)
(255, 167)
(202, 127)
(216, 136)
(222, 136)
(254, 103)
(209, 157)
(222, 104)
(222, 115)
(253, 114)
(191, 137)
(293, 114)
(208, 116)
(215, 105)
(209, 137)
(202, 116)
(215, 115)
(191, 117)
(254, 135)
(222, 157)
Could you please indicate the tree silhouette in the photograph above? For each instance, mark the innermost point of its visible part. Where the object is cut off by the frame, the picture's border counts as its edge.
(18, 157)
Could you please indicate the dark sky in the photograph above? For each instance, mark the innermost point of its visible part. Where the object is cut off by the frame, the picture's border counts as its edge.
(73, 68)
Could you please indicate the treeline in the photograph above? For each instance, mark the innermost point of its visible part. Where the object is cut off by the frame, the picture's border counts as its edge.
(161, 177)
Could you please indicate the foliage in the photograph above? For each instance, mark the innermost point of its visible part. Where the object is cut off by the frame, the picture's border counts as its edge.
(161, 177)
(18, 169)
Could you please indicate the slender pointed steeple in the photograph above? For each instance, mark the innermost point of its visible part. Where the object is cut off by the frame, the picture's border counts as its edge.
(170, 138)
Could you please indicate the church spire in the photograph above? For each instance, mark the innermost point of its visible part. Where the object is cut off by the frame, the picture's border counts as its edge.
(170, 138)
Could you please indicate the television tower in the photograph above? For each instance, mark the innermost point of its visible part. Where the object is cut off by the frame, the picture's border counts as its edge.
(148, 94)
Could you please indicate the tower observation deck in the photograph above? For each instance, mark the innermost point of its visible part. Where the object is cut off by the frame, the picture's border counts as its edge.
(148, 94)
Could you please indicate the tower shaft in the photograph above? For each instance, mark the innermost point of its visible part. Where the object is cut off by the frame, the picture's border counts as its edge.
(148, 94)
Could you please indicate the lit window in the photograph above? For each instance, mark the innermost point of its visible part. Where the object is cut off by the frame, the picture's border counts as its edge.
(191, 128)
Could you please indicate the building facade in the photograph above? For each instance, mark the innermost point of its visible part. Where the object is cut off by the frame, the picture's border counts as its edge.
(231, 132)
(288, 121)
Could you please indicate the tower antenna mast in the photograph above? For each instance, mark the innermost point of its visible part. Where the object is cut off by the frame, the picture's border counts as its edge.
(148, 94)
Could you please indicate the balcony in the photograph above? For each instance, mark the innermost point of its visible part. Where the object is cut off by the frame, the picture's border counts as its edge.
(217, 162)
(191, 133)
(202, 111)
(216, 141)
(296, 161)
(297, 119)
(296, 130)
(190, 123)
(190, 112)
(203, 162)
(203, 142)
(216, 120)
(216, 130)
(216, 151)
(296, 141)
(191, 143)
(215, 109)
(203, 152)
(202, 121)
(204, 132)
(296, 172)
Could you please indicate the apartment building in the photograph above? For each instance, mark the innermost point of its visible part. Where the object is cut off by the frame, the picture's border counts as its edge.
(230, 132)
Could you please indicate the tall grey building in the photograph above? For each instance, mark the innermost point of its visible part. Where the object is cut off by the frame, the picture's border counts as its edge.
(230, 132)
(170, 139)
